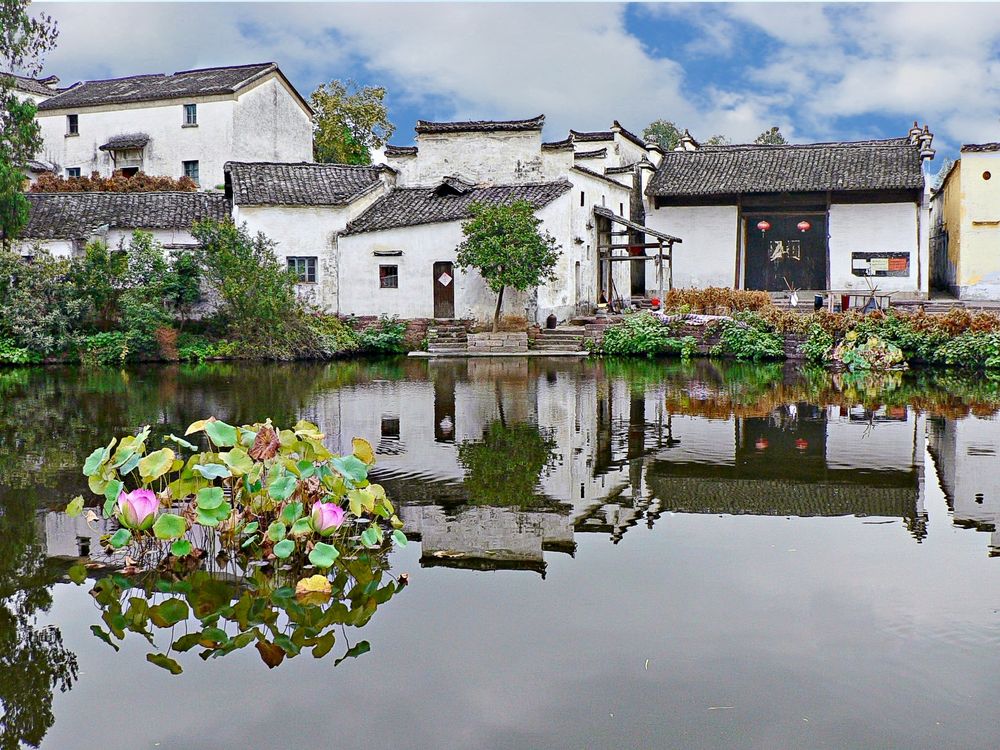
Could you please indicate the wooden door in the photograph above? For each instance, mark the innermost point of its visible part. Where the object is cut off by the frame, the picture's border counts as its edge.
(784, 256)
(444, 289)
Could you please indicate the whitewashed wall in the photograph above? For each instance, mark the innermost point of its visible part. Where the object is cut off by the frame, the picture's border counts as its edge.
(501, 157)
(876, 227)
(61, 248)
(266, 123)
(707, 255)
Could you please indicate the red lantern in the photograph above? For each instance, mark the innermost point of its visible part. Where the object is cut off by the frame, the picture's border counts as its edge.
(763, 225)
(802, 444)
(804, 226)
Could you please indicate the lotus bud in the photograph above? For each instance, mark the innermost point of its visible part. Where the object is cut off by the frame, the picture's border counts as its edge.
(326, 518)
(137, 509)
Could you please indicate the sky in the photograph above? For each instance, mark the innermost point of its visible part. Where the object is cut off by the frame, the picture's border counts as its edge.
(818, 71)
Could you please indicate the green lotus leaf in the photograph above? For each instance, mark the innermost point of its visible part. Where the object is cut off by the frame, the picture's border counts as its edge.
(282, 488)
(238, 461)
(94, 461)
(210, 498)
(164, 661)
(75, 507)
(284, 549)
(212, 471)
(156, 464)
(181, 548)
(169, 526)
(120, 538)
(323, 555)
(399, 537)
(276, 531)
(220, 433)
(291, 512)
(169, 612)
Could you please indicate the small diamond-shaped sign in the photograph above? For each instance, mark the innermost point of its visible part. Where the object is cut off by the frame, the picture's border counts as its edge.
(444, 279)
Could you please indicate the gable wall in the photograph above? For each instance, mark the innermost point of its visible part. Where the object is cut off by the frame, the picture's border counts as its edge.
(269, 124)
(502, 157)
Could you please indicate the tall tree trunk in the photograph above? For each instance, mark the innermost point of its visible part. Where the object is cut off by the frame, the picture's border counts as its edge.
(496, 313)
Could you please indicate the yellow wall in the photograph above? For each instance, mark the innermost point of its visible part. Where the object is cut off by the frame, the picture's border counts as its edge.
(951, 215)
(980, 243)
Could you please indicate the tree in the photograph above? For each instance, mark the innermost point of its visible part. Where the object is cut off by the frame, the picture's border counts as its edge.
(350, 122)
(663, 132)
(718, 140)
(503, 469)
(772, 137)
(24, 40)
(504, 244)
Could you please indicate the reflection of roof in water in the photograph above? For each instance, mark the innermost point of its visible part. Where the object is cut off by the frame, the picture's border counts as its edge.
(469, 562)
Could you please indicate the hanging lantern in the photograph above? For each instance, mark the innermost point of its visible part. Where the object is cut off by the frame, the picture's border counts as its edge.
(804, 226)
(763, 225)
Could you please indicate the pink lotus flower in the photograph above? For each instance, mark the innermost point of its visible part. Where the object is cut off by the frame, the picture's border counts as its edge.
(326, 518)
(137, 509)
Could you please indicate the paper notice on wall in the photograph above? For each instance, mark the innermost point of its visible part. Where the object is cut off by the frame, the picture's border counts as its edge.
(444, 279)
(880, 264)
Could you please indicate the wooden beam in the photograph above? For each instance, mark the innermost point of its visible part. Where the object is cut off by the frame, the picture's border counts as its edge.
(652, 245)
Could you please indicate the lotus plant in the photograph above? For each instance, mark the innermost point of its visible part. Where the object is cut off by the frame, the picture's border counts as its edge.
(137, 509)
(326, 518)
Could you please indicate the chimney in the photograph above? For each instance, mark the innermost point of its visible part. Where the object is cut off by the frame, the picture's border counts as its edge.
(926, 137)
(914, 133)
(654, 153)
(646, 172)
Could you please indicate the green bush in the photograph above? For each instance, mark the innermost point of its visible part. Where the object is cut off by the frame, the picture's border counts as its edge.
(645, 334)
(818, 344)
(384, 337)
(748, 337)
(109, 348)
(332, 336)
(970, 350)
(194, 348)
(39, 310)
(11, 354)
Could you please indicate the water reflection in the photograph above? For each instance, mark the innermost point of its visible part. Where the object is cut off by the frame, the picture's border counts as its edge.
(494, 465)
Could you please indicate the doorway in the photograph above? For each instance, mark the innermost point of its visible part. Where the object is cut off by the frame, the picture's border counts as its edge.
(784, 255)
(444, 289)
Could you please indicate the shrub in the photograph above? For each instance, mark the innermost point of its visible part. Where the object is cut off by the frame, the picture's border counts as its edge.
(868, 353)
(332, 336)
(644, 334)
(749, 337)
(11, 354)
(117, 183)
(384, 337)
(716, 300)
(109, 348)
(192, 348)
(818, 344)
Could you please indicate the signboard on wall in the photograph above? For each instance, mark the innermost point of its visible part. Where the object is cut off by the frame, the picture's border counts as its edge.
(880, 264)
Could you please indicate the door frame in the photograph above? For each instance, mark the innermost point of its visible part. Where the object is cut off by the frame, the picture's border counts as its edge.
(755, 213)
(437, 268)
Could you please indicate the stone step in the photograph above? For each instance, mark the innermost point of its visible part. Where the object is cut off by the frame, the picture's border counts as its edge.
(559, 347)
(562, 329)
(454, 335)
(448, 348)
(559, 340)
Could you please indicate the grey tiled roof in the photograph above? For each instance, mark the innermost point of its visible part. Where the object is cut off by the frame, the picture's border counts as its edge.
(302, 184)
(126, 140)
(729, 170)
(144, 88)
(485, 126)
(597, 153)
(78, 215)
(598, 175)
(980, 147)
(630, 135)
(391, 150)
(31, 85)
(405, 207)
(565, 143)
(594, 135)
(625, 169)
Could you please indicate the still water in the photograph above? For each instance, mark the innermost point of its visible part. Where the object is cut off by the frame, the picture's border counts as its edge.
(603, 555)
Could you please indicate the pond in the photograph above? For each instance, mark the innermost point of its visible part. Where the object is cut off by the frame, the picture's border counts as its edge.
(602, 554)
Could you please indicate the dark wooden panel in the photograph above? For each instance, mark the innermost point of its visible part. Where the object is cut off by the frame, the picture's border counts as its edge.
(444, 289)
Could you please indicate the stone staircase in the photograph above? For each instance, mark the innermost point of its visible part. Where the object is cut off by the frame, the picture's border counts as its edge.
(561, 339)
(447, 336)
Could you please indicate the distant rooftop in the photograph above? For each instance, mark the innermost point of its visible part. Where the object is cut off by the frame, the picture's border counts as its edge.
(42, 86)
(302, 184)
(484, 126)
(157, 86)
(980, 147)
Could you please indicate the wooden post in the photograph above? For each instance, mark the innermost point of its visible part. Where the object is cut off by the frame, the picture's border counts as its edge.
(659, 265)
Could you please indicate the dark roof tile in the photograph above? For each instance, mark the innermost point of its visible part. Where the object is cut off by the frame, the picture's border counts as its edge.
(484, 126)
(143, 88)
(731, 170)
(78, 215)
(391, 150)
(980, 147)
(32, 85)
(302, 184)
(405, 207)
(126, 140)
(589, 136)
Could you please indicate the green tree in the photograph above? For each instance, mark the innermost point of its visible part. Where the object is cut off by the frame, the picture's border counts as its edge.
(24, 40)
(504, 244)
(182, 285)
(772, 137)
(663, 132)
(256, 292)
(351, 120)
(718, 140)
(503, 469)
(39, 310)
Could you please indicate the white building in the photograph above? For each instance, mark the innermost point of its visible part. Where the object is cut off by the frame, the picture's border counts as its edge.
(398, 257)
(35, 90)
(820, 216)
(186, 123)
(63, 223)
(303, 207)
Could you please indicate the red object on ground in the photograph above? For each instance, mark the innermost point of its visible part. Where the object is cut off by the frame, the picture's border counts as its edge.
(801, 444)
(845, 302)
(656, 303)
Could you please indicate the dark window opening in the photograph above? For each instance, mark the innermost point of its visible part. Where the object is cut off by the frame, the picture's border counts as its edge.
(72, 171)
(72, 124)
(583, 198)
(303, 268)
(390, 427)
(129, 171)
(191, 169)
(388, 277)
(986, 175)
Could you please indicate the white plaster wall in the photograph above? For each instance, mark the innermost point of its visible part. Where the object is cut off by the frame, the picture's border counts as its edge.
(270, 124)
(596, 192)
(481, 157)
(979, 249)
(303, 231)
(707, 255)
(886, 445)
(266, 124)
(407, 168)
(876, 227)
(55, 248)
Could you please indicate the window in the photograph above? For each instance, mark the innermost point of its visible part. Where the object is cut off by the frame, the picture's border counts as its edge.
(191, 170)
(621, 209)
(388, 277)
(72, 124)
(304, 268)
(72, 171)
(583, 198)
(986, 175)
(190, 114)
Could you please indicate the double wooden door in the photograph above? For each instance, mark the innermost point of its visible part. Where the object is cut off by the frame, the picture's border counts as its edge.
(784, 256)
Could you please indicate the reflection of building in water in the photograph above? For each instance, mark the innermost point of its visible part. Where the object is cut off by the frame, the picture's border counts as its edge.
(620, 457)
(965, 455)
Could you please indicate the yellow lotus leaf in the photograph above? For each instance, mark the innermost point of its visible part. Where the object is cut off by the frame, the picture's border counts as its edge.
(313, 589)
(363, 451)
